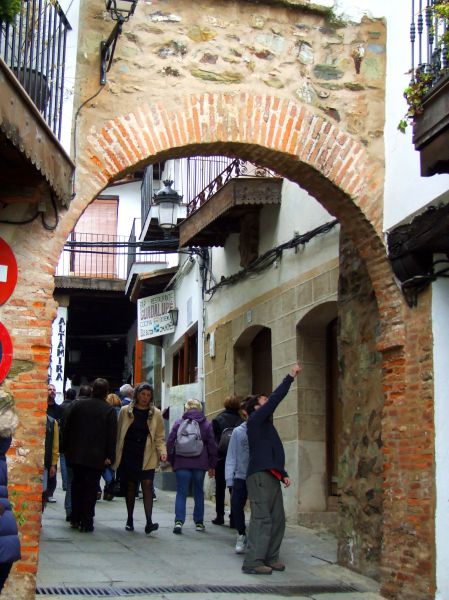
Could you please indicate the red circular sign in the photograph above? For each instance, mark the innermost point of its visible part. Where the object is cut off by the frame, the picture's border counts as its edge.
(8, 271)
(5, 352)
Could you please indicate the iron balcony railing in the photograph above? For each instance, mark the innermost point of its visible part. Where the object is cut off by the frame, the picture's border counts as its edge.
(201, 171)
(192, 175)
(236, 168)
(200, 177)
(33, 45)
(104, 256)
(429, 36)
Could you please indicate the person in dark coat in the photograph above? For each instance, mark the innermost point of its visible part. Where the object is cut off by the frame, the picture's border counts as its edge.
(192, 468)
(85, 392)
(266, 471)
(90, 432)
(228, 419)
(9, 538)
(54, 411)
(69, 397)
(51, 455)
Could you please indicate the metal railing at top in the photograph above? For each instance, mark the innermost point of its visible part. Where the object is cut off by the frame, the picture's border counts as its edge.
(33, 45)
(104, 256)
(236, 168)
(429, 37)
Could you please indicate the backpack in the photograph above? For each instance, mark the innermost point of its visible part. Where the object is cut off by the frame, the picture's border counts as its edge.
(188, 439)
(225, 438)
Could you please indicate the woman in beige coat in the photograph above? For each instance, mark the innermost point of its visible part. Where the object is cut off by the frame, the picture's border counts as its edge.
(140, 447)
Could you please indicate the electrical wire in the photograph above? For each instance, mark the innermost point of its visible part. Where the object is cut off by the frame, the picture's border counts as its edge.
(55, 208)
(264, 261)
(75, 130)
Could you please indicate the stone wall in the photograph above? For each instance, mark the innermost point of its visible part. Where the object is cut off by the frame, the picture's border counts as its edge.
(298, 53)
(361, 460)
(299, 422)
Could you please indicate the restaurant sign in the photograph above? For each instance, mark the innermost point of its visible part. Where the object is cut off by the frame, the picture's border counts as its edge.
(153, 319)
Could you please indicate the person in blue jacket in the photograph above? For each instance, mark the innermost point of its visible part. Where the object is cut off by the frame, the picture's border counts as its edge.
(266, 471)
(236, 466)
(9, 539)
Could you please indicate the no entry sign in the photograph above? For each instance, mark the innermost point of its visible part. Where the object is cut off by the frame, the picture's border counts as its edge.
(8, 271)
(5, 352)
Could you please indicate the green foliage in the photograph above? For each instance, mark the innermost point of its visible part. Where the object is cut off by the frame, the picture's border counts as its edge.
(414, 95)
(9, 9)
(416, 91)
(18, 507)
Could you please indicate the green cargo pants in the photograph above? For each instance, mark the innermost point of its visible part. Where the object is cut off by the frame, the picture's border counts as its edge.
(267, 524)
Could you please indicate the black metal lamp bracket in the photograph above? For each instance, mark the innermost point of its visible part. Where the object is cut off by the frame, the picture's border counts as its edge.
(107, 50)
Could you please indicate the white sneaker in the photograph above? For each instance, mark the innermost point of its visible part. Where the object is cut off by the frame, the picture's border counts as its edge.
(240, 546)
(51, 499)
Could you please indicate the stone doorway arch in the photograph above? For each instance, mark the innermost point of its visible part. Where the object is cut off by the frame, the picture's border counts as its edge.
(334, 168)
(317, 398)
(252, 361)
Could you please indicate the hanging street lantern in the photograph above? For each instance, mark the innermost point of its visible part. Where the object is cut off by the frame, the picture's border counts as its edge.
(168, 202)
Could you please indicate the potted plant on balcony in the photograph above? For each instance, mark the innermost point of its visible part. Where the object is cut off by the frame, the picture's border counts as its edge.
(425, 75)
(414, 95)
(9, 9)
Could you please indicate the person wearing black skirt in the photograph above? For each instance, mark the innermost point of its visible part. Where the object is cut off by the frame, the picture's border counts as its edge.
(140, 447)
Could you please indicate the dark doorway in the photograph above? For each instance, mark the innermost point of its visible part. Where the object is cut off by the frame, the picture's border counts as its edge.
(262, 375)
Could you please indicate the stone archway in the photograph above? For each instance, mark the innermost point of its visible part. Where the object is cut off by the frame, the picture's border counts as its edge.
(333, 167)
(252, 361)
(312, 347)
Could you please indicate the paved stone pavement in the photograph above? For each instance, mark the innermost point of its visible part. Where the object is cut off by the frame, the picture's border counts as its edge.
(111, 562)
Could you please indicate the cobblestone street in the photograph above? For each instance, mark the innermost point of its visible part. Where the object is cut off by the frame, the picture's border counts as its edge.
(114, 563)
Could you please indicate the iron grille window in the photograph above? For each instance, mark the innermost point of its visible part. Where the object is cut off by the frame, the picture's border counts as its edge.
(34, 48)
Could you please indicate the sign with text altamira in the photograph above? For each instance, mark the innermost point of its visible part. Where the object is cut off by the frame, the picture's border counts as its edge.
(152, 315)
(57, 353)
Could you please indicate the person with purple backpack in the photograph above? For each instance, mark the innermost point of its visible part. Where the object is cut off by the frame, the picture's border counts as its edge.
(192, 451)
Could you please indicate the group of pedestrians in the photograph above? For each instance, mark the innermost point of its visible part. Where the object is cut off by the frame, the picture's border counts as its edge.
(253, 462)
(244, 452)
(240, 447)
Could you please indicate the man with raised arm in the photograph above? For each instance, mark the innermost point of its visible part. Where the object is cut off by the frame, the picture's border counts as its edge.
(266, 471)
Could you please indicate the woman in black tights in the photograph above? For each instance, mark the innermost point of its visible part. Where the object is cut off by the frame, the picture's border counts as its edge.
(140, 446)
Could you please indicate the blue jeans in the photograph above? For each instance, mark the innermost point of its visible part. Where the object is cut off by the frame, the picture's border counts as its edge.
(68, 491)
(183, 479)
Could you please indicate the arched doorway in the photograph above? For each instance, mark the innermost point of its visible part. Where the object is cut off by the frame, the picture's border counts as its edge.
(319, 416)
(252, 361)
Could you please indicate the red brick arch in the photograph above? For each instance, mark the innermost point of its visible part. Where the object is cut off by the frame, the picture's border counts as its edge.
(339, 172)
(290, 137)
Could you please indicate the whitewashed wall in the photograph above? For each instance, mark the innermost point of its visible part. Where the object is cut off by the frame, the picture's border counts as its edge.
(71, 10)
(299, 212)
(129, 205)
(440, 296)
(188, 299)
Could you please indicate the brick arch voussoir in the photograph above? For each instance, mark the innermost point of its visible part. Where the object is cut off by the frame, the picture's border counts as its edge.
(281, 125)
(291, 137)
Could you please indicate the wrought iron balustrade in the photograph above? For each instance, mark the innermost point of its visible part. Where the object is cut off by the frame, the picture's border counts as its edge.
(34, 47)
(104, 256)
(429, 37)
(236, 168)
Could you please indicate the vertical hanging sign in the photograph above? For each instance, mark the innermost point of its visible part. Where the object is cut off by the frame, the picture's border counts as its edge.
(57, 354)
